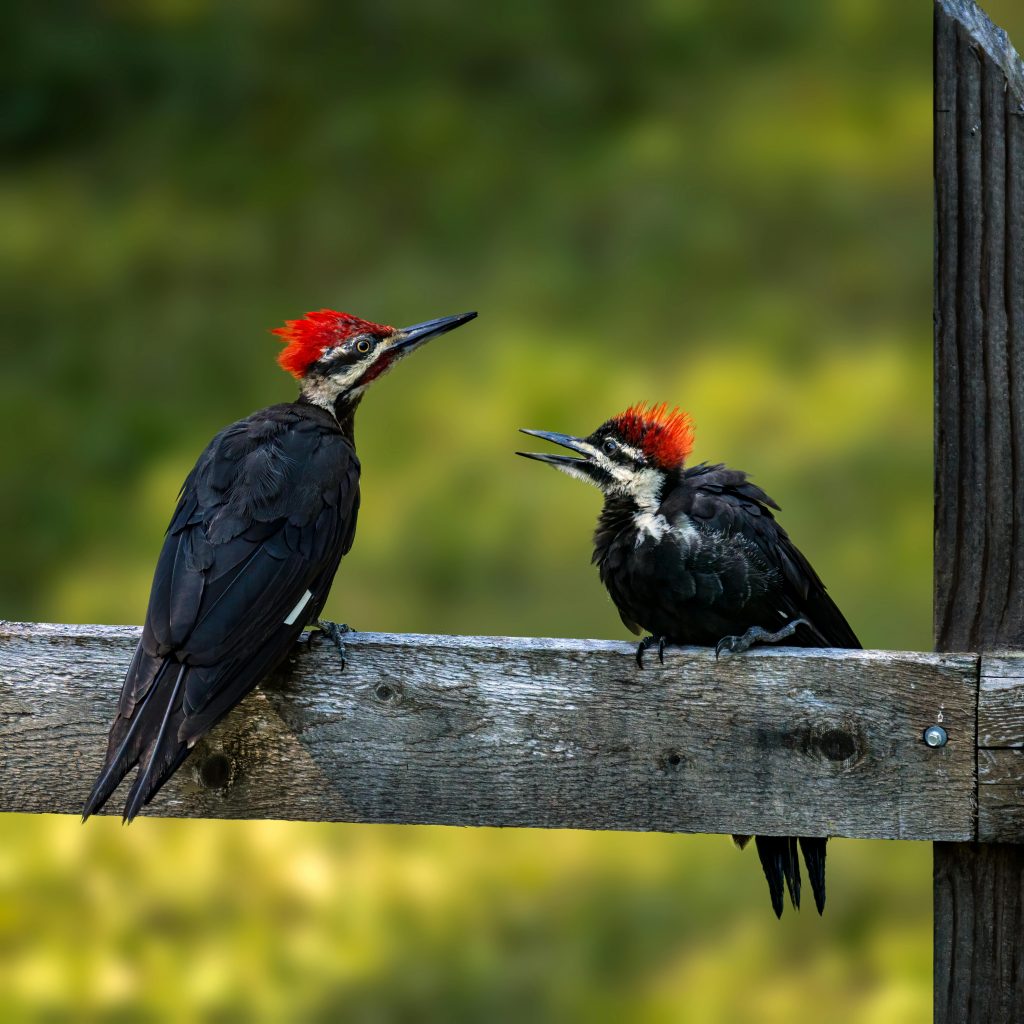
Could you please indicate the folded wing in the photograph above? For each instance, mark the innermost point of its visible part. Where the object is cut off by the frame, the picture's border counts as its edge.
(261, 524)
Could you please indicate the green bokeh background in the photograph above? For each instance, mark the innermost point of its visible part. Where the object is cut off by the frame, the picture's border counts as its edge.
(725, 205)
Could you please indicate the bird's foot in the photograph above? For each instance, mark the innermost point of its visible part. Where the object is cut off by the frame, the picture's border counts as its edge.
(305, 640)
(756, 635)
(336, 631)
(646, 644)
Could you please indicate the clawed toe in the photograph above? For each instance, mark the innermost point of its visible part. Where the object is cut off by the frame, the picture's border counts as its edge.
(757, 635)
(727, 643)
(646, 644)
(336, 631)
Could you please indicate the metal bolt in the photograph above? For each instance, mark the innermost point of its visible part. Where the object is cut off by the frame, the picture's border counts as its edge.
(935, 736)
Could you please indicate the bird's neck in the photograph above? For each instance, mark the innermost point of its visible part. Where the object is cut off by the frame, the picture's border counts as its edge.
(631, 514)
(345, 414)
(617, 515)
(343, 409)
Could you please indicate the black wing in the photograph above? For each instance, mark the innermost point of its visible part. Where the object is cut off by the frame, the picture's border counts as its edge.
(261, 524)
(726, 504)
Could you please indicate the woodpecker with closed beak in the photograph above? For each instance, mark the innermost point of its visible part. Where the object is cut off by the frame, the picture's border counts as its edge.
(261, 525)
(695, 556)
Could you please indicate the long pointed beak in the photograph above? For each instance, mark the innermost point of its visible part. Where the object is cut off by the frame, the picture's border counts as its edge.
(408, 338)
(574, 444)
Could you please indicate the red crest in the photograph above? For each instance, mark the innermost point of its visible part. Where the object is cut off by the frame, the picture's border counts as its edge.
(665, 437)
(307, 339)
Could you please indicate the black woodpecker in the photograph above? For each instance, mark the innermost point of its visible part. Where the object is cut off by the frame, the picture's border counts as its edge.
(261, 524)
(695, 556)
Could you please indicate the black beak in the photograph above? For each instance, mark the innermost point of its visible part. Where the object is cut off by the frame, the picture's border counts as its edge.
(408, 338)
(574, 444)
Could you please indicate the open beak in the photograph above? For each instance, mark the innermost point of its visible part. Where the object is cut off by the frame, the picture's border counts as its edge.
(405, 339)
(574, 444)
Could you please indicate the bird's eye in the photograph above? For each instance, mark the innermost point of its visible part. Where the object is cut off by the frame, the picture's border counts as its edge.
(609, 446)
(363, 345)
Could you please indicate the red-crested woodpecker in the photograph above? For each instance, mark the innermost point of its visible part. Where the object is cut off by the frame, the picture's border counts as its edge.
(694, 555)
(261, 524)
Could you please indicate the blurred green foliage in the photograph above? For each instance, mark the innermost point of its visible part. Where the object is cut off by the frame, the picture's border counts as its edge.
(719, 204)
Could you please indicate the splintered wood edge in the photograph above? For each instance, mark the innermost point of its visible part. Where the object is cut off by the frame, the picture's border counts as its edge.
(992, 39)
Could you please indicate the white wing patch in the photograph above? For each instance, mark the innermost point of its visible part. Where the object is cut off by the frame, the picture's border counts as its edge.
(294, 613)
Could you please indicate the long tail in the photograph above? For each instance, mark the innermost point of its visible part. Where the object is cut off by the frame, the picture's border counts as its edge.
(165, 752)
(781, 865)
(814, 849)
(146, 732)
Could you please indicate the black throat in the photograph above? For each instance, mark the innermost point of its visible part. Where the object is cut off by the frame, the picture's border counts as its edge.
(618, 517)
(344, 412)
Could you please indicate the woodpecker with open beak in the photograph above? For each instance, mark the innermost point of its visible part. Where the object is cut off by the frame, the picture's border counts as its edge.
(261, 525)
(695, 556)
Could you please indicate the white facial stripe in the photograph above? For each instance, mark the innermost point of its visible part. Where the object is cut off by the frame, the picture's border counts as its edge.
(642, 485)
(570, 469)
(323, 388)
(586, 448)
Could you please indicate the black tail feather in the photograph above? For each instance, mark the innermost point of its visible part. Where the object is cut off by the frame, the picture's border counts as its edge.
(123, 750)
(791, 869)
(814, 849)
(774, 852)
(165, 753)
(781, 864)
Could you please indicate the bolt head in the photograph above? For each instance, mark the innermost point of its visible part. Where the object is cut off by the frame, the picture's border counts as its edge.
(935, 736)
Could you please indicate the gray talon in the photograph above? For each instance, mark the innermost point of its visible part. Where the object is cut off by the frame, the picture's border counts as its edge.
(756, 635)
(336, 631)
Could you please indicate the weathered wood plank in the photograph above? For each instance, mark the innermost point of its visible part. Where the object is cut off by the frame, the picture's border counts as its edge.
(1000, 795)
(981, 979)
(979, 502)
(549, 733)
(1001, 703)
(979, 343)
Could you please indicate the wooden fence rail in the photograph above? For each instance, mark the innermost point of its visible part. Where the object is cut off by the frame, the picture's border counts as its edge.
(550, 733)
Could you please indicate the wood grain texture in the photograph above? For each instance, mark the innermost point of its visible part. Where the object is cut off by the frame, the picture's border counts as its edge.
(983, 979)
(1001, 701)
(979, 319)
(1001, 748)
(1000, 795)
(979, 504)
(548, 733)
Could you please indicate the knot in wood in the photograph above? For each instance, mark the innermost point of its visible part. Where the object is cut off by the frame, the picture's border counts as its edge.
(215, 771)
(837, 744)
(388, 692)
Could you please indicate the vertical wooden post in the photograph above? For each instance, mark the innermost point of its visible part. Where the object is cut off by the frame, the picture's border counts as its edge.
(979, 466)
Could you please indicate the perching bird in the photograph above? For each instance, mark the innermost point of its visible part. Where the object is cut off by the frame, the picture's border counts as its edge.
(261, 524)
(695, 556)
